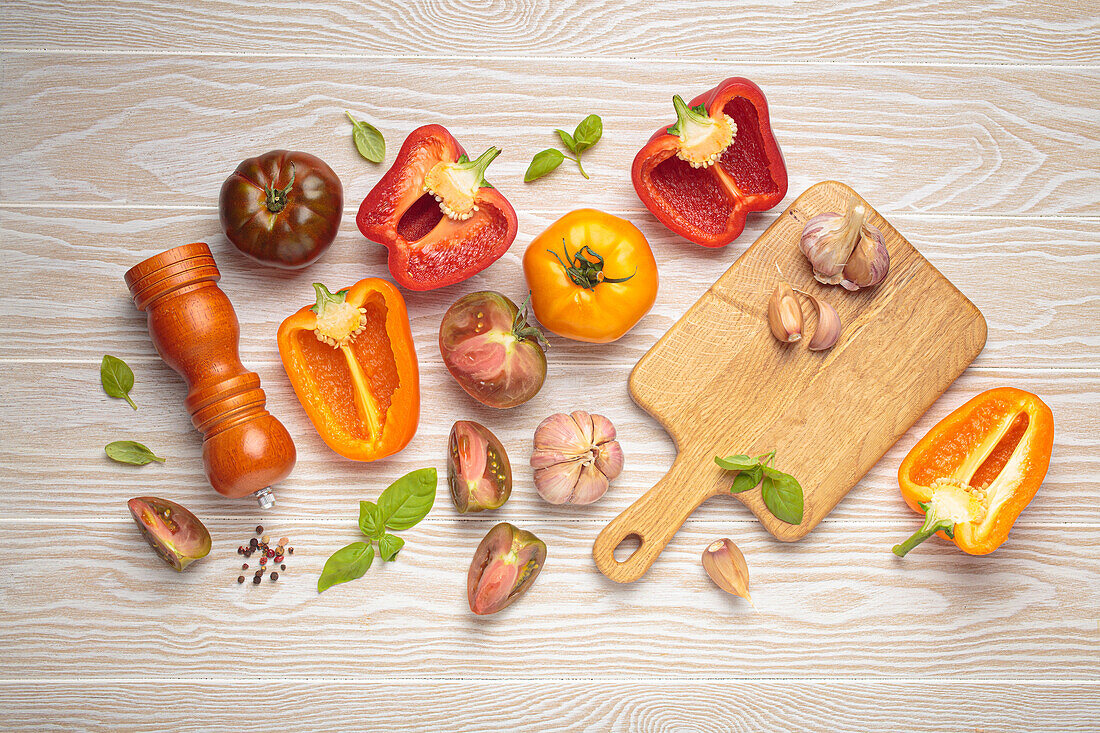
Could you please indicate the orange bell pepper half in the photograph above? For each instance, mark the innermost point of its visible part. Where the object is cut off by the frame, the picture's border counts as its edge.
(351, 361)
(974, 472)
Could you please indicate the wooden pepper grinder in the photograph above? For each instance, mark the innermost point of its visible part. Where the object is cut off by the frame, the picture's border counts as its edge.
(195, 330)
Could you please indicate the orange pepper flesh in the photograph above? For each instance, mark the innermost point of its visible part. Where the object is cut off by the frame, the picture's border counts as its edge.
(976, 470)
(623, 286)
(363, 395)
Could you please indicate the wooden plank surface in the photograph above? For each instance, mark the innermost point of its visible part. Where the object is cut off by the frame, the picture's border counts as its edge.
(1009, 31)
(77, 593)
(169, 129)
(971, 126)
(742, 706)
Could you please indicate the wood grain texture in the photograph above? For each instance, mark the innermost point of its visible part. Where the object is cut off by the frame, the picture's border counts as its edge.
(53, 429)
(1032, 278)
(743, 706)
(718, 375)
(170, 129)
(1003, 32)
(971, 126)
(88, 599)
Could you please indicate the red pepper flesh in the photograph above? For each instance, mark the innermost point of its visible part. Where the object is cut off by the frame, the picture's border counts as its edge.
(708, 205)
(435, 213)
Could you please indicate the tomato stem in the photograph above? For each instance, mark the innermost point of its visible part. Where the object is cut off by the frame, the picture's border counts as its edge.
(584, 272)
(277, 198)
(523, 330)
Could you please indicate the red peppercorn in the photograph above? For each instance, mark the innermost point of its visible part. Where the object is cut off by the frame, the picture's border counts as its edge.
(244, 567)
(263, 561)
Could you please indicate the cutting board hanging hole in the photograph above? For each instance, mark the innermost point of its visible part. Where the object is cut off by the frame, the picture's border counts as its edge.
(629, 545)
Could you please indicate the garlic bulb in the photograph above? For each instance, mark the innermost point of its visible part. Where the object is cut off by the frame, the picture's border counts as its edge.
(575, 457)
(845, 249)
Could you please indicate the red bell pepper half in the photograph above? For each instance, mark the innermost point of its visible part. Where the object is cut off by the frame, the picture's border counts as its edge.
(436, 214)
(720, 161)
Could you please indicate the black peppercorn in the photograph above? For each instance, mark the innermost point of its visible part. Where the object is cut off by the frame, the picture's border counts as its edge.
(274, 576)
(259, 529)
(240, 578)
(256, 580)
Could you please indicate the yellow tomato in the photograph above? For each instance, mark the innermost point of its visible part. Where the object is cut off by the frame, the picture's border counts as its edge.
(592, 276)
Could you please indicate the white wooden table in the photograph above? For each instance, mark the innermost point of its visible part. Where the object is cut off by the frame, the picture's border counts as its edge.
(973, 126)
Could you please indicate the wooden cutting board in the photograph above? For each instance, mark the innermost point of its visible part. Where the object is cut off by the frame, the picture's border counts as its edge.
(720, 383)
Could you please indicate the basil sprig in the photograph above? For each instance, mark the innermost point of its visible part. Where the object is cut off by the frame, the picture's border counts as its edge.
(368, 140)
(117, 378)
(782, 494)
(404, 503)
(586, 134)
(132, 452)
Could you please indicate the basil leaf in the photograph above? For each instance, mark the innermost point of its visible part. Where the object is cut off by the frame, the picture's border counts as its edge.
(368, 140)
(543, 163)
(132, 452)
(737, 463)
(389, 546)
(347, 563)
(117, 378)
(747, 479)
(588, 132)
(370, 520)
(782, 495)
(567, 140)
(408, 499)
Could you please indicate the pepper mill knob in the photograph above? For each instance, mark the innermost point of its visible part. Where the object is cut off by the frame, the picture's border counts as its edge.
(195, 330)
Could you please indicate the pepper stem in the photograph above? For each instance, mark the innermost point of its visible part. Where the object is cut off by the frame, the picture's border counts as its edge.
(326, 298)
(277, 198)
(932, 524)
(478, 166)
(685, 114)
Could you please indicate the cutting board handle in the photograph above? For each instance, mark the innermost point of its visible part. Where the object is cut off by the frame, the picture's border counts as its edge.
(653, 519)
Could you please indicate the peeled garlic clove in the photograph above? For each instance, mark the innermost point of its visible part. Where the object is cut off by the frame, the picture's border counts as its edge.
(869, 261)
(785, 314)
(609, 459)
(828, 240)
(828, 325)
(556, 483)
(591, 485)
(726, 566)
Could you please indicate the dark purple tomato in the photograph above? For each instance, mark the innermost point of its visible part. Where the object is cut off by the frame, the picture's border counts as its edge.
(478, 471)
(282, 208)
(505, 565)
(491, 350)
(175, 533)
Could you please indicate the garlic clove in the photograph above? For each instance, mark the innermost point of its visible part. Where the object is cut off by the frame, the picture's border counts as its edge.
(785, 314)
(869, 261)
(542, 458)
(602, 430)
(828, 328)
(556, 483)
(828, 240)
(584, 424)
(560, 432)
(591, 485)
(609, 459)
(725, 564)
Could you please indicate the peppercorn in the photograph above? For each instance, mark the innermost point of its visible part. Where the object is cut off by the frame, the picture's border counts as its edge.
(278, 558)
(263, 561)
(253, 543)
(274, 576)
(240, 578)
(259, 529)
(290, 550)
(244, 567)
(264, 539)
(240, 550)
(282, 567)
(257, 580)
